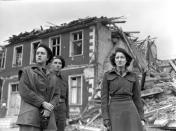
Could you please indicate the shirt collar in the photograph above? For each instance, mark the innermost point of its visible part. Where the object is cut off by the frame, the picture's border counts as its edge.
(118, 72)
(58, 74)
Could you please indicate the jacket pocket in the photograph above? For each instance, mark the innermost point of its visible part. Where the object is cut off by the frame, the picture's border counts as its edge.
(112, 83)
(131, 79)
(128, 85)
(29, 118)
(29, 115)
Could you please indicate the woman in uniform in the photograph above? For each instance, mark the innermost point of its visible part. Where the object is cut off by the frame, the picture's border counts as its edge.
(39, 94)
(62, 108)
(120, 95)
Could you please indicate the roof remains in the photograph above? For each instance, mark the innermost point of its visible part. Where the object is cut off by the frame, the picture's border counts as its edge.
(75, 24)
(133, 43)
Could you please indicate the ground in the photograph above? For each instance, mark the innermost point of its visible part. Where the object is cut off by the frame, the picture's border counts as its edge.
(9, 129)
(17, 129)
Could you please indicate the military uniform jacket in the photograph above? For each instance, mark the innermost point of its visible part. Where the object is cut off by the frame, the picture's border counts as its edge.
(63, 87)
(35, 87)
(115, 86)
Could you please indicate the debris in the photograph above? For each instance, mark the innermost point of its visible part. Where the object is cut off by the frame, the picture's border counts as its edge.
(161, 122)
(152, 91)
(172, 64)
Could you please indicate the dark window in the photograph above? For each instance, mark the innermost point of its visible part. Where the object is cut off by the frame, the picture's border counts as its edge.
(18, 56)
(2, 59)
(14, 88)
(77, 44)
(33, 51)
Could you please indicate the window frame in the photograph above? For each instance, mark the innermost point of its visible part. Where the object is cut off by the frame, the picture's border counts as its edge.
(3, 57)
(51, 44)
(71, 52)
(14, 56)
(10, 92)
(14, 92)
(32, 51)
(69, 78)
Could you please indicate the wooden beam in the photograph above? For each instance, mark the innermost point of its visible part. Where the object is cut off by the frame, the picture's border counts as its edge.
(88, 128)
(132, 31)
(173, 65)
(119, 21)
(152, 91)
(159, 109)
(94, 118)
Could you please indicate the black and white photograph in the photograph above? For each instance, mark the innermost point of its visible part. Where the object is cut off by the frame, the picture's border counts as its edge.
(87, 65)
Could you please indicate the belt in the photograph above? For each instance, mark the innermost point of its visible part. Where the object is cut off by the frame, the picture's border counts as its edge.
(121, 98)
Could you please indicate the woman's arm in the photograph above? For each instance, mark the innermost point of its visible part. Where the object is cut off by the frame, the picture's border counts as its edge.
(27, 91)
(56, 97)
(67, 103)
(56, 90)
(137, 98)
(105, 98)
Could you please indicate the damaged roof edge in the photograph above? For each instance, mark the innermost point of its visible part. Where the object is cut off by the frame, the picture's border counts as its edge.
(73, 25)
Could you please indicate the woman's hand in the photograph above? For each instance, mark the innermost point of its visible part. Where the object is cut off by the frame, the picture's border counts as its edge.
(67, 122)
(47, 106)
(143, 123)
(107, 124)
(46, 113)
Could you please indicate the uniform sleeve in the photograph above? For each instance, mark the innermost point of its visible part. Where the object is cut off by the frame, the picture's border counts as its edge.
(105, 98)
(27, 91)
(67, 96)
(56, 90)
(137, 98)
(67, 102)
(56, 97)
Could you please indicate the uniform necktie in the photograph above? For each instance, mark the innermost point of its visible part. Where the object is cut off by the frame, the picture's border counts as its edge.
(121, 73)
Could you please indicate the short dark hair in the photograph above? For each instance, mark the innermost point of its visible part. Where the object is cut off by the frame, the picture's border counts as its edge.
(61, 58)
(128, 57)
(49, 52)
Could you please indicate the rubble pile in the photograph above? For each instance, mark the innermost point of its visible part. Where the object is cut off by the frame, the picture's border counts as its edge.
(159, 98)
(90, 118)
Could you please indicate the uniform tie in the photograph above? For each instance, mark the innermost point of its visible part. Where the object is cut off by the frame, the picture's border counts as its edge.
(120, 73)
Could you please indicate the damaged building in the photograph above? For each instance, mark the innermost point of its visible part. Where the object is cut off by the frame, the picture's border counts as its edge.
(86, 45)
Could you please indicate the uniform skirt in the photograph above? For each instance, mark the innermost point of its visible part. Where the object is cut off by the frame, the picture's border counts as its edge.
(124, 116)
(60, 114)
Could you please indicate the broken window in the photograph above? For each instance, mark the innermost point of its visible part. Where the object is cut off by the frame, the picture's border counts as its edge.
(2, 59)
(75, 90)
(34, 46)
(76, 43)
(55, 45)
(17, 59)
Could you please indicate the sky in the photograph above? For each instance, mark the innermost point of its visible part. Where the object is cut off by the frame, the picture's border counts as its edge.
(151, 17)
